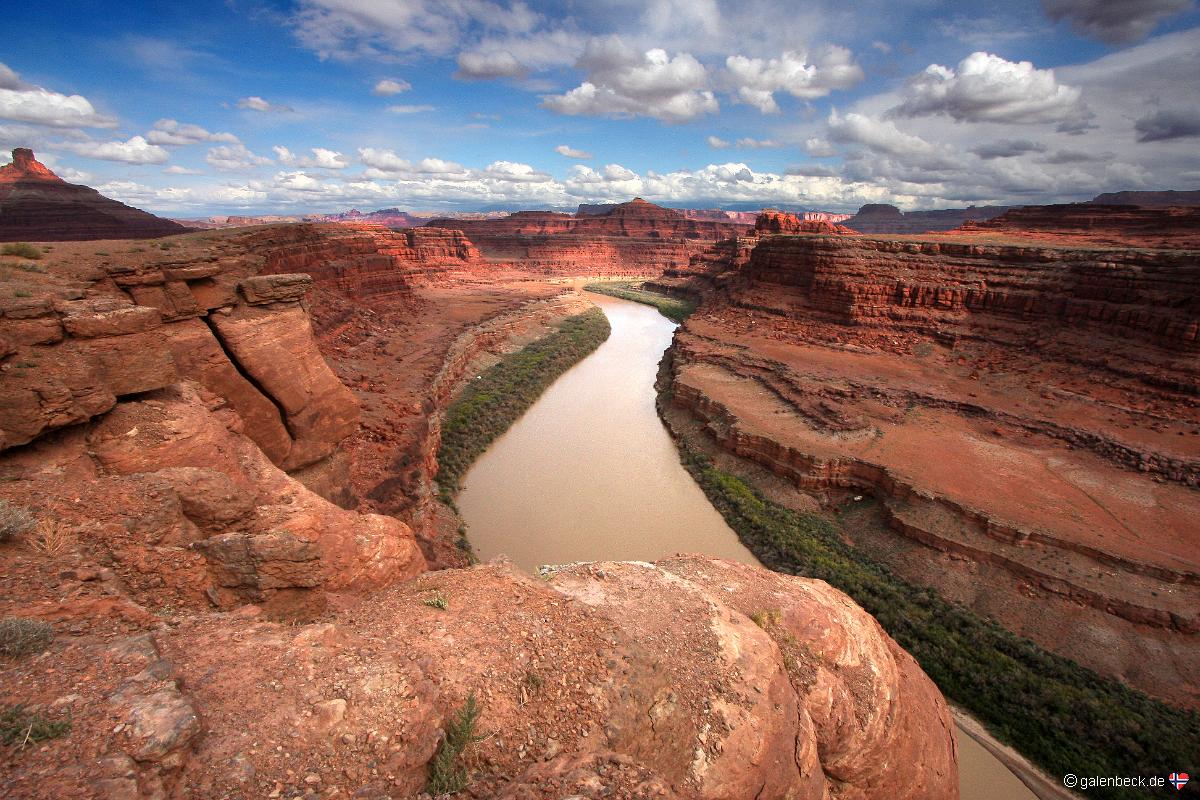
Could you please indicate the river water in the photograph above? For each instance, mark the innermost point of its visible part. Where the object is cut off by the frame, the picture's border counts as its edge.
(589, 473)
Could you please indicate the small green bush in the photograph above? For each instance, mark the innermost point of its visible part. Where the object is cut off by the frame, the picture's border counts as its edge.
(29, 266)
(447, 773)
(20, 727)
(20, 636)
(436, 602)
(14, 521)
(22, 249)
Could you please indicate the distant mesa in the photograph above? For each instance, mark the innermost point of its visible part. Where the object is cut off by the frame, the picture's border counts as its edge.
(37, 205)
(885, 218)
(1156, 199)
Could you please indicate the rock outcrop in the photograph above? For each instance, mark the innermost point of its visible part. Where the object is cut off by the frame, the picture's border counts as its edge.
(634, 238)
(1056, 385)
(36, 205)
(605, 679)
(772, 222)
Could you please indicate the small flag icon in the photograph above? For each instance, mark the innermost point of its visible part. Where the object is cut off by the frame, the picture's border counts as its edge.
(1178, 779)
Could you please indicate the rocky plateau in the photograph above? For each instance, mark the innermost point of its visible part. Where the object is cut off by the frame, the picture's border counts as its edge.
(225, 443)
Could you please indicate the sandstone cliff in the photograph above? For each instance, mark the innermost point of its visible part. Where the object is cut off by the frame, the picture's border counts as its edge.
(634, 238)
(1055, 385)
(1096, 224)
(36, 205)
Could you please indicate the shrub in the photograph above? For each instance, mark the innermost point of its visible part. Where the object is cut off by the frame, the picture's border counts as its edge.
(29, 266)
(20, 727)
(22, 249)
(20, 636)
(447, 773)
(672, 308)
(14, 521)
(436, 602)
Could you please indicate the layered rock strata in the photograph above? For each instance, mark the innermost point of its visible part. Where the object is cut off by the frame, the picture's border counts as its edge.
(1099, 224)
(884, 218)
(1056, 386)
(36, 205)
(635, 238)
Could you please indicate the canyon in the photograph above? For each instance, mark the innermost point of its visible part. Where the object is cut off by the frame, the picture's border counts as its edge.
(226, 444)
(218, 460)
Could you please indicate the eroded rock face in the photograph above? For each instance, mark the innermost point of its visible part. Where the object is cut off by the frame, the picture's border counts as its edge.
(1055, 384)
(634, 238)
(36, 205)
(609, 678)
(1101, 224)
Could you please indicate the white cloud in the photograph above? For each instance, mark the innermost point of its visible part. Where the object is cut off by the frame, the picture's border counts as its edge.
(817, 147)
(1114, 21)
(135, 150)
(175, 169)
(717, 143)
(255, 103)
(234, 158)
(23, 102)
(987, 88)
(571, 152)
(321, 158)
(879, 135)
(482, 66)
(409, 109)
(515, 172)
(623, 82)
(382, 160)
(391, 86)
(173, 132)
(756, 80)
(757, 144)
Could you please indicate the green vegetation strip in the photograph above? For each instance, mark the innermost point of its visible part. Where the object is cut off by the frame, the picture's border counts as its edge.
(670, 307)
(1060, 715)
(493, 402)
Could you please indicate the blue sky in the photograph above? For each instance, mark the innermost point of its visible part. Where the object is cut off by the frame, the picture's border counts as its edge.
(322, 105)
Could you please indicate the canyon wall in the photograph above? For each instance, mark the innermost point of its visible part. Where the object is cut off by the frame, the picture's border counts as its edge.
(635, 238)
(1094, 223)
(884, 218)
(1024, 416)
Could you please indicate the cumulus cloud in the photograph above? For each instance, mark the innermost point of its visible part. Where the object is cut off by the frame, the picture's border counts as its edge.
(174, 133)
(382, 160)
(234, 158)
(1168, 124)
(987, 88)
(409, 109)
(717, 143)
(624, 82)
(1007, 148)
(321, 158)
(571, 152)
(135, 150)
(175, 169)
(256, 103)
(1114, 21)
(483, 66)
(391, 86)
(515, 172)
(756, 80)
(880, 135)
(23, 102)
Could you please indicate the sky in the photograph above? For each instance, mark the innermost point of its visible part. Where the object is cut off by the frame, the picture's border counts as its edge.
(247, 107)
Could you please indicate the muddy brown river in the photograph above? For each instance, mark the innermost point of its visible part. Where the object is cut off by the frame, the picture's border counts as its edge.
(589, 473)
